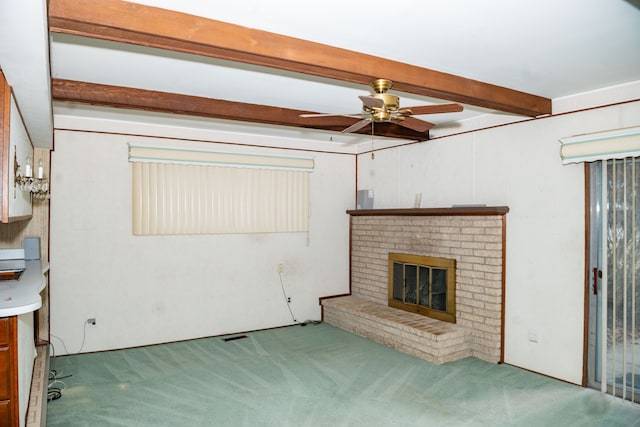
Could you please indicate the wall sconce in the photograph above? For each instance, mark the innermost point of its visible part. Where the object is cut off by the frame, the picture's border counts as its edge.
(38, 187)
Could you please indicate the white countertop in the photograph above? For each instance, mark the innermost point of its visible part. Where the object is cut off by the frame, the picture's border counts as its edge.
(23, 295)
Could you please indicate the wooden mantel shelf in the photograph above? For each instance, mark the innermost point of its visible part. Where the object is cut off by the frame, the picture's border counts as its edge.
(453, 211)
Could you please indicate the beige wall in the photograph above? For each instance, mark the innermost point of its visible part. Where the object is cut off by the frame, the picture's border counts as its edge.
(516, 166)
(150, 289)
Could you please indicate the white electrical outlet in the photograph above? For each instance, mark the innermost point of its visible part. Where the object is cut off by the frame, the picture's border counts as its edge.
(533, 335)
(280, 268)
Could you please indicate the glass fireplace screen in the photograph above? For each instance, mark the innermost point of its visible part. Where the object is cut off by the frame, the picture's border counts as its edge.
(422, 284)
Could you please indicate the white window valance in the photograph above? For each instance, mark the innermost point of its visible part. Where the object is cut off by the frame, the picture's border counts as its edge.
(216, 158)
(612, 144)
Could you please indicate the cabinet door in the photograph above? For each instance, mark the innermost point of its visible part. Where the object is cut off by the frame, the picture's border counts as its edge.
(5, 361)
(8, 372)
(5, 412)
(5, 373)
(4, 331)
(15, 146)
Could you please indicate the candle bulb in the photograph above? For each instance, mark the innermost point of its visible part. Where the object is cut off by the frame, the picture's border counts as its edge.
(27, 168)
(40, 170)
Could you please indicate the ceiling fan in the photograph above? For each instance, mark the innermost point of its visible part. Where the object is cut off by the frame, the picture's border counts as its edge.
(381, 107)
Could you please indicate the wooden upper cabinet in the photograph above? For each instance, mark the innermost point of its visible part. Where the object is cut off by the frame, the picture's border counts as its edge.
(15, 148)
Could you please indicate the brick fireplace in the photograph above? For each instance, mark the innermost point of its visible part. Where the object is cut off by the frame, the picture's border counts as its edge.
(473, 236)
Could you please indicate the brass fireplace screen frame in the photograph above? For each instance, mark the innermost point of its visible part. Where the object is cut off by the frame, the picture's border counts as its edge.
(421, 289)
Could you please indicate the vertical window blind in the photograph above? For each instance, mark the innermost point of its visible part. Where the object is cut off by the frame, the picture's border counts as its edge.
(201, 192)
(619, 308)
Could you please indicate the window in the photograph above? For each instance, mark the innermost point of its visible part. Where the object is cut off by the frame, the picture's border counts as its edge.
(424, 285)
(200, 192)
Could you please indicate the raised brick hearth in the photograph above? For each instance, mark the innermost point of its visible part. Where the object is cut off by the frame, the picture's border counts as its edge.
(429, 339)
(474, 237)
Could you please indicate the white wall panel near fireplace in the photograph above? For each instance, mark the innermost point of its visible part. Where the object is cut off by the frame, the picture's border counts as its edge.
(150, 289)
(517, 166)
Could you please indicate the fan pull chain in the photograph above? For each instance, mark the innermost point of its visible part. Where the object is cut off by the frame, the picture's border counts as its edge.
(373, 154)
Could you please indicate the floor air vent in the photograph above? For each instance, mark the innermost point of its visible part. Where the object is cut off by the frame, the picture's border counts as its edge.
(237, 337)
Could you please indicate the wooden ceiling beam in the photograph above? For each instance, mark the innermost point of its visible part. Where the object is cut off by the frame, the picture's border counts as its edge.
(162, 102)
(121, 21)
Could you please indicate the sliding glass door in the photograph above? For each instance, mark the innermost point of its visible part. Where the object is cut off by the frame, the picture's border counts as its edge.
(614, 291)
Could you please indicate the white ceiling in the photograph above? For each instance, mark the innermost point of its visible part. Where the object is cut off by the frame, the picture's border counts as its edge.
(548, 48)
(24, 59)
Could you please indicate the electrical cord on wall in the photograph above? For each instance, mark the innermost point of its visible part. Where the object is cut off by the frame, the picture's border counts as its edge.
(84, 337)
(63, 345)
(286, 298)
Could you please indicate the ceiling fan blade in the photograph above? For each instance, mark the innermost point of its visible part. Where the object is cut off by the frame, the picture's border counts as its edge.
(415, 124)
(310, 115)
(434, 109)
(357, 126)
(372, 102)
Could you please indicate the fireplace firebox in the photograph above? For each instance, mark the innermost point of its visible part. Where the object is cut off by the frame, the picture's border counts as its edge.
(424, 285)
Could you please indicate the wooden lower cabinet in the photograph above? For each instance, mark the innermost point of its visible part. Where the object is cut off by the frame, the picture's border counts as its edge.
(9, 415)
(5, 413)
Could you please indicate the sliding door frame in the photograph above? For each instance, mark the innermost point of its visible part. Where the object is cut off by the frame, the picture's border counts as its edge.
(587, 275)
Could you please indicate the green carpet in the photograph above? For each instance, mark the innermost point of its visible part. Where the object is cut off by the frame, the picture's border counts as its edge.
(315, 375)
